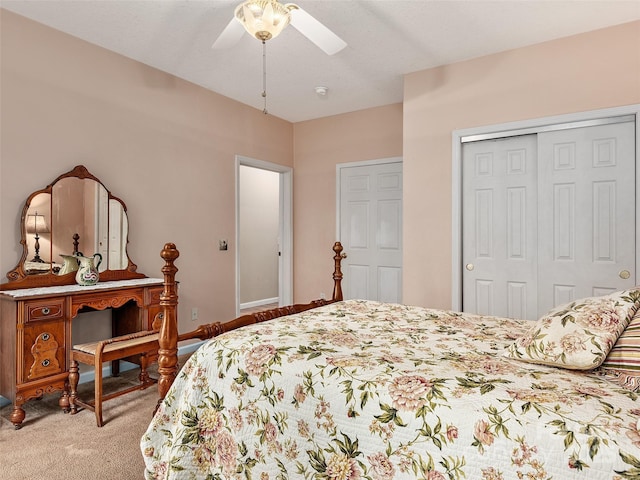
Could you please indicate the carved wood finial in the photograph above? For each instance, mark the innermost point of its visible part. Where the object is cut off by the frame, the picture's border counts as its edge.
(76, 243)
(337, 272)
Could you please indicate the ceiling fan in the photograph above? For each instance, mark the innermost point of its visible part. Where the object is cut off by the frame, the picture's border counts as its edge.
(265, 19)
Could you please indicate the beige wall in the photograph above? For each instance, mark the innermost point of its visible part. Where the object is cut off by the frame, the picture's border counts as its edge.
(586, 72)
(319, 145)
(163, 145)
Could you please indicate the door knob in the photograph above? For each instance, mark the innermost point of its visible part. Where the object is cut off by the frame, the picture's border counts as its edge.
(624, 274)
(469, 266)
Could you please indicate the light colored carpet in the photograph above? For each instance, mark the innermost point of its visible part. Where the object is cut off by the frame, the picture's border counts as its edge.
(54, 445)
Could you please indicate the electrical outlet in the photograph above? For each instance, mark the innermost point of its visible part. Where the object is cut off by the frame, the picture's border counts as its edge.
(222, 245)
(322, 296)
(194, 313)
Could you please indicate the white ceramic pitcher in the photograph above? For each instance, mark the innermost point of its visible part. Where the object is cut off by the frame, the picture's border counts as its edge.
(88, 271)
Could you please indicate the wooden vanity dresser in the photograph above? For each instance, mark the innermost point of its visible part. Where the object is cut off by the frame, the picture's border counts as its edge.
(73, 214)
(36, 332)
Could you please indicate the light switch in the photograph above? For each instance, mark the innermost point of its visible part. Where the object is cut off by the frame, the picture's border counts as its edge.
(222, 244)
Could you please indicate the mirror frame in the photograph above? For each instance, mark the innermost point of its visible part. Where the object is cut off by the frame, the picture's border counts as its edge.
(18, 277)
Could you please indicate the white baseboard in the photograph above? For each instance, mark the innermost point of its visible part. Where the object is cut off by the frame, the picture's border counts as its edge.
(258, 303)
(124, 366)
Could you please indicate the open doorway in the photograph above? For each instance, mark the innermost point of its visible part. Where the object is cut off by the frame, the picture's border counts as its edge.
(263, 232)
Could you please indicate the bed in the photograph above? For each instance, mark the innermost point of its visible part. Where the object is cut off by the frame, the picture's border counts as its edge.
(361, 389)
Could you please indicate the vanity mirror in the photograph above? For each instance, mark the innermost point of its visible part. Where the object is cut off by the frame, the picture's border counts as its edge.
(75, 214)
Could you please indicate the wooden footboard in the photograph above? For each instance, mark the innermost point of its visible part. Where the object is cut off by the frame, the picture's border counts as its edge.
(169, 337)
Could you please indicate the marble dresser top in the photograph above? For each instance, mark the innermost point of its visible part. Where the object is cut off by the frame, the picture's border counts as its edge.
(68, 289)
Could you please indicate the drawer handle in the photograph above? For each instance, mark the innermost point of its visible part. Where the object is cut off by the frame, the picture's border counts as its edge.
(46, 362)
(46, 310)
(45, 336)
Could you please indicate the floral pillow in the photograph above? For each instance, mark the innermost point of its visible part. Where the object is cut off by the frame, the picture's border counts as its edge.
(578, 335)
(622, 365)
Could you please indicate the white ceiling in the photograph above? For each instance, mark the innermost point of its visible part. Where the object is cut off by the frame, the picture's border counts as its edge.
(386, 39)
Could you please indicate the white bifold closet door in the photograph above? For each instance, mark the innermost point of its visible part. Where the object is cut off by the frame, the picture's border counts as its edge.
(548, 218)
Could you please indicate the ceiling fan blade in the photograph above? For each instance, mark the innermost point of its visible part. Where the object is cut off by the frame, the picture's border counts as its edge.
(316, 32)
(231, 35)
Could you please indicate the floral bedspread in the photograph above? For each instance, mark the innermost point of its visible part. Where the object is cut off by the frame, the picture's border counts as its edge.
(361, 389)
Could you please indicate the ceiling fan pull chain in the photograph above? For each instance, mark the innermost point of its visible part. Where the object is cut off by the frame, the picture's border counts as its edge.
(264, 76)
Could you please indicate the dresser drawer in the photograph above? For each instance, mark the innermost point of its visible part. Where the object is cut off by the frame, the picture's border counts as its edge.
(38, 310)
(154, 295)
(44, 349)
(155, 312)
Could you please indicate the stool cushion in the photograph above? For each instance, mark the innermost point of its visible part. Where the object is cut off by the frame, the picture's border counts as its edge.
(93, 346)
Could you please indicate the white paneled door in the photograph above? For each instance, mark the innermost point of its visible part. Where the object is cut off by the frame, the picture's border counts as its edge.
(371, 231)
(548, 218)
(587, 199)
(499, 182)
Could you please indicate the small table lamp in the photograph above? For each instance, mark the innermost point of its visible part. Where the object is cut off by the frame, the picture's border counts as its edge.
(36, 224)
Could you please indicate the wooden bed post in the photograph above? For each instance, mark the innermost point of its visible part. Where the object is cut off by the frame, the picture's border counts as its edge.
(168, 338)
(337, 272)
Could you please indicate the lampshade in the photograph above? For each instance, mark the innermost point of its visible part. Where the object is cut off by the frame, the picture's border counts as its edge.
(36, 223)
(264, 19)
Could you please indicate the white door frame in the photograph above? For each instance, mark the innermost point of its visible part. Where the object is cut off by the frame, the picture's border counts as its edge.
(285, 260)
(364, 163)
(521, 127)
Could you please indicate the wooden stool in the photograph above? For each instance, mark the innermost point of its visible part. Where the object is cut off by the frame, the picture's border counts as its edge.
(143, 343)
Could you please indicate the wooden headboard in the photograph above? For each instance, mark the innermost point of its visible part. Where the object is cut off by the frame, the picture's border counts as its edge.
(169, 337)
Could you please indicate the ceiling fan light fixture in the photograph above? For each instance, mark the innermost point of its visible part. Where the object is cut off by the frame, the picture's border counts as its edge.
(263, 19)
